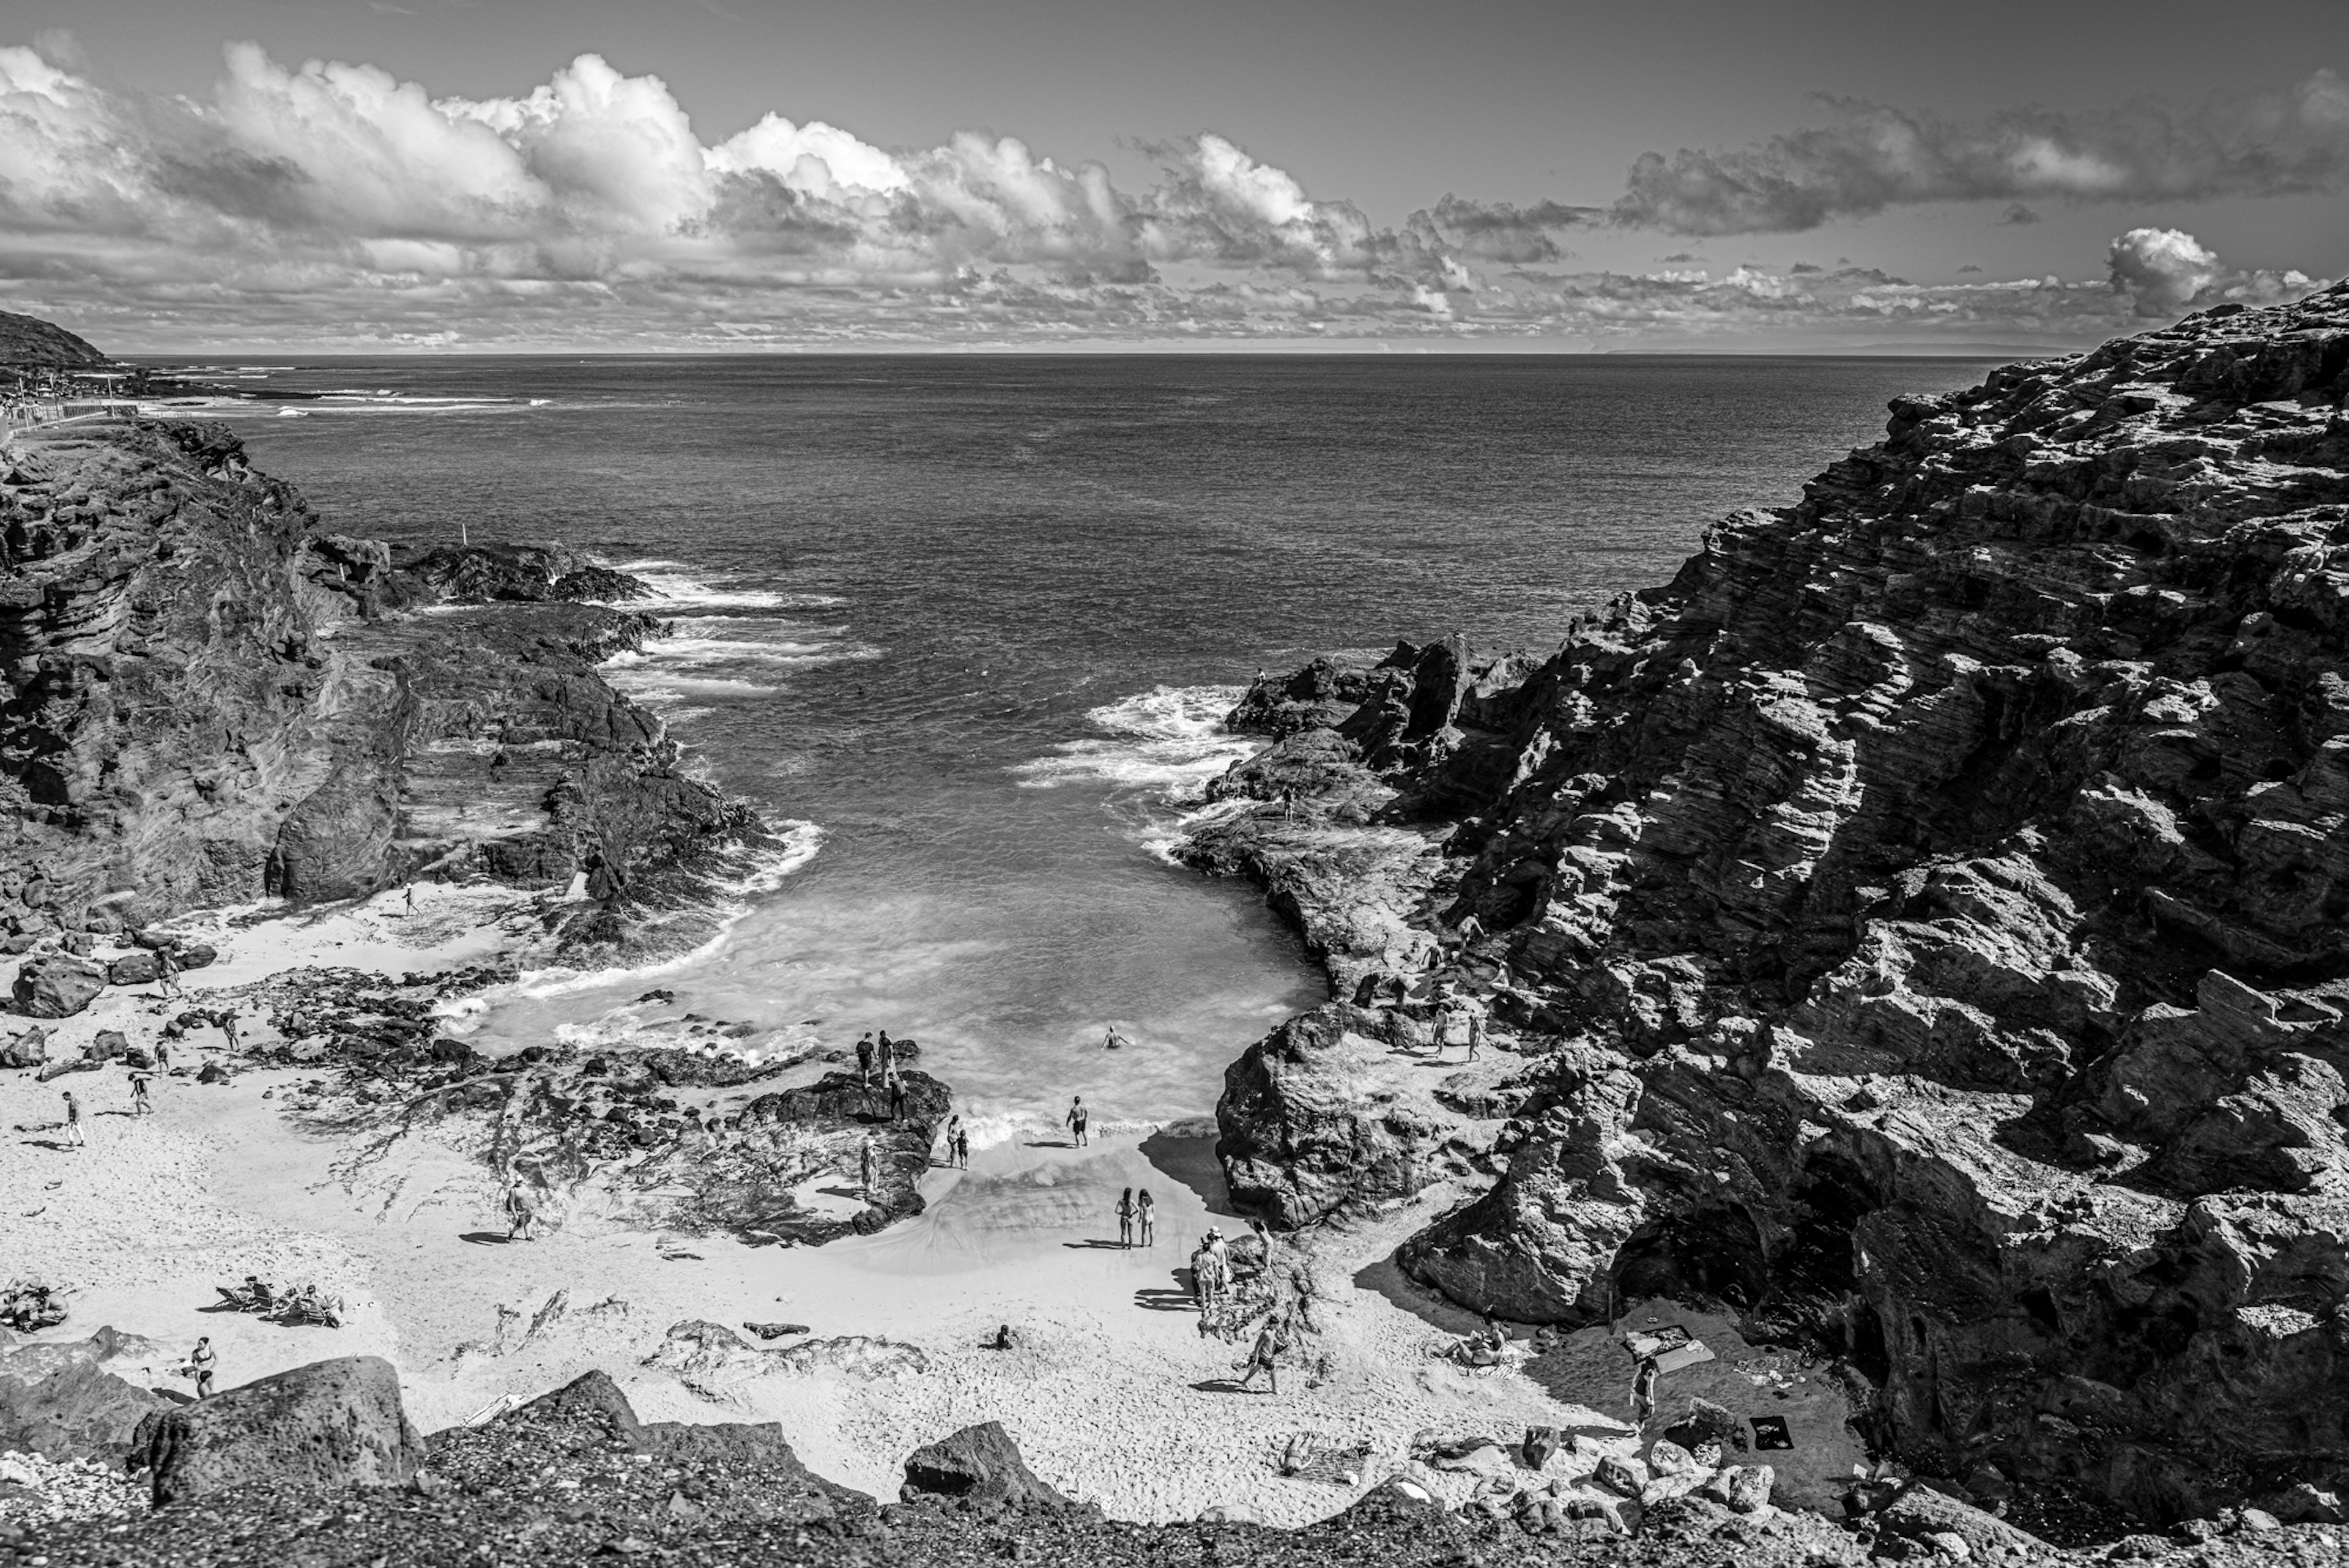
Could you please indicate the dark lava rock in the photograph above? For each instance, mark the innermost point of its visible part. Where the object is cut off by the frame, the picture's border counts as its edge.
(76, 1411)
(134, 969)
(57, 985)
(982, 1464)
(333, 1422)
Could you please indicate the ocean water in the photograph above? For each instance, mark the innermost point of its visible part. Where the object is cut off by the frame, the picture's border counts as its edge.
(972, 622)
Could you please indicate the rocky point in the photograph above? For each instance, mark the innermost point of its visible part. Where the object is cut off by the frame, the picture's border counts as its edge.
(1917, 926)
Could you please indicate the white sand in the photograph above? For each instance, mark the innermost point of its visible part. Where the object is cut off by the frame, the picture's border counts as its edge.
(1111, 1393)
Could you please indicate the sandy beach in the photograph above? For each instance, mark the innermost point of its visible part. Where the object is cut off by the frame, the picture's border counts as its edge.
(1111, 1390)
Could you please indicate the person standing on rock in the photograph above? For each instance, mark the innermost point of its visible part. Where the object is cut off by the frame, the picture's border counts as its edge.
(864, 1166)
(1475, 1032)
(75, 1137)
(1145, 1214)
(1077, 1117)
(204, 1359)
(896, 1095)
(1126, 1218)
(1643, 1392)
(864, 1057)
(884, 1057)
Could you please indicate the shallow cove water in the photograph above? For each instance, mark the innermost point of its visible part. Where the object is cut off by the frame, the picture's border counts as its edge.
(974, 620)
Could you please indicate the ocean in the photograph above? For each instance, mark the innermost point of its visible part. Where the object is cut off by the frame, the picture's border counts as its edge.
(969, 624)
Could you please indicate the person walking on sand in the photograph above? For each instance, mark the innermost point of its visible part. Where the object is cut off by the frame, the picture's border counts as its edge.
(865, 1165)
(517, 1214)
(162, 1056)
(139, 1106)
(1262, 1356)
(1145, 1214)
(1203, 1278)
(227, 1016)
(1077, 1117)
(1126, 1218)
(1643, 1392)
(202, 1360)
(75, 1137)
(864, 1057)
(167, 971)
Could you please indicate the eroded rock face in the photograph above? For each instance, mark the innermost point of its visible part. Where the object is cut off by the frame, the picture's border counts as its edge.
(205, 697)
(1925, 914)
(330, 1424)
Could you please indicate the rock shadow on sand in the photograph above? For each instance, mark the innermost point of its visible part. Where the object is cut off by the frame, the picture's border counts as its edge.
(1185, 1152)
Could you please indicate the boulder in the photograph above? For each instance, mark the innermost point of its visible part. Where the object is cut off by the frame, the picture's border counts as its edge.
(1744, 1488)
(57, 985)
(1918, 1511)
(135, 969)
(108, 1045)
(78, 1411)
(29, 1049)
(775, 1330)
(981, 1464)
(1628, 1476)
(335, 1423)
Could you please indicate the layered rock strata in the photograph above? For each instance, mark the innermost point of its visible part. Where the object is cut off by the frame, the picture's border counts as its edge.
(208, 698)
(1918, 925)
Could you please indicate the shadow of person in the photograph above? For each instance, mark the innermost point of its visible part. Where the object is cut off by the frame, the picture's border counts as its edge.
(1051, 1143)
(1095, 1244)
(857, 1192)
(1219, 1386)
(1164, 1300)
(486, 1238)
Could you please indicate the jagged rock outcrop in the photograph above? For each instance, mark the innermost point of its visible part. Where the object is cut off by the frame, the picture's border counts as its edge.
(205, 697)
(981, 1466)
(1924, 918)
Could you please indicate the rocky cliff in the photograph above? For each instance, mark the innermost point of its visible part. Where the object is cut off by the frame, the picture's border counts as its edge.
(208, 698)
(1920, 925)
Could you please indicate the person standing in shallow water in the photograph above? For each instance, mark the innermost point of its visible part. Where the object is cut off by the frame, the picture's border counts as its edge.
(1126, 1218)
(1145, 1214)
(1077, 1117)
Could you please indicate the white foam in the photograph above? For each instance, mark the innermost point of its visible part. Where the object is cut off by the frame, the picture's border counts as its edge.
(672, 583)
(799, 842)
(1168, 737)
(672, 688)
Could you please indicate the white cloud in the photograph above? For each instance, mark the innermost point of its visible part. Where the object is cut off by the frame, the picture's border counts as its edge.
(2165, 272)
(336, 205)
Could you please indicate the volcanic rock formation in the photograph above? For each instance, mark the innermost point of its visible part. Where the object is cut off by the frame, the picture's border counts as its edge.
(208, 698)
(1922, 923)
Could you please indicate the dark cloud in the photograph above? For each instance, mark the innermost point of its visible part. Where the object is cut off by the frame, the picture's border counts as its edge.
(1875, 156)
(2016, 215)
(1967, 268)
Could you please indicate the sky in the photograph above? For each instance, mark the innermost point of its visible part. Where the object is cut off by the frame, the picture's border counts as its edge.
(251, 176)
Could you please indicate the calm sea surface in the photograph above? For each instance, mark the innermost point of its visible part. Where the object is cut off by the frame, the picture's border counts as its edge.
(974, 620)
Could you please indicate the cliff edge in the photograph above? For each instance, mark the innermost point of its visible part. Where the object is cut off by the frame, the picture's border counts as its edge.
(1920, 926)
(206, 698)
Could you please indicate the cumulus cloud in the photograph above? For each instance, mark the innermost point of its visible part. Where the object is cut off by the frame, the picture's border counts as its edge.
(2165, 272)
(1874, 156)
(338, 206)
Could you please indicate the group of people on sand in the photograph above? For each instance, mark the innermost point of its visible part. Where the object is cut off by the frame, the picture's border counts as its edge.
(1137, 1214)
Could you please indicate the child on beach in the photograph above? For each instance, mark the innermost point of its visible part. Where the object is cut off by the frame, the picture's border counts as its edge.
(1146, 1212)
(962, 1149)
(1126, 1218)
